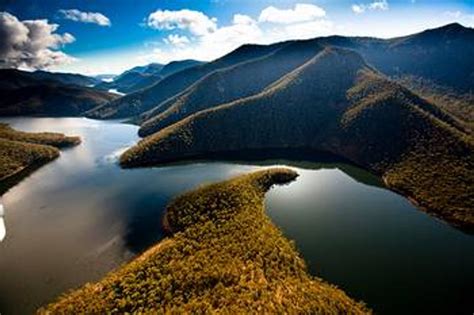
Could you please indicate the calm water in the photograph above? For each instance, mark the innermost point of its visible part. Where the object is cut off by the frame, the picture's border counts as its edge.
(80, 216)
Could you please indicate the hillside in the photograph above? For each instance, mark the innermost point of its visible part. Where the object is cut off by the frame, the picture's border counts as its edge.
(226, 85)
(66, 78)
(21, 151)
(335, 102)
(23, 93)
(144, 100)
(13, 78)
(51, 100)
(440, 55)
(224, 255)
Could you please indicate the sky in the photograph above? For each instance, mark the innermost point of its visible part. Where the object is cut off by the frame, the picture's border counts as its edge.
(108, 37)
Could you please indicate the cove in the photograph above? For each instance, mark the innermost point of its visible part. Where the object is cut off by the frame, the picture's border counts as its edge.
(81, 216)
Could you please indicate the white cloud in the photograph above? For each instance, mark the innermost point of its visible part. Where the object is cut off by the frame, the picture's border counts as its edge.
(177, 40)
(31, 43)
(381, 5)
(194, 21)
(454, 14)
(209, 41)
(300, 13)
(85, 17)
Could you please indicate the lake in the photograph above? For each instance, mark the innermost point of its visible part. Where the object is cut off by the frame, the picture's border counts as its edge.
(81, 216)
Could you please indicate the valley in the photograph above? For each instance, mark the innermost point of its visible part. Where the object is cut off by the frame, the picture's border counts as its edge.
(326, 175)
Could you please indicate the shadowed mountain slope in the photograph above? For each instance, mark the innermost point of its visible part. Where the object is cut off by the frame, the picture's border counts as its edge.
(335, 102)
(227, 85)
(143, 100)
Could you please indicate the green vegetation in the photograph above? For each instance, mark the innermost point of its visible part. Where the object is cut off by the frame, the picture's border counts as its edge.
(20, 151)
(224, 256)
(335, 102)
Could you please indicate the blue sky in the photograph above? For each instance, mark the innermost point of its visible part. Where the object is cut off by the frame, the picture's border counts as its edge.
(111, 36)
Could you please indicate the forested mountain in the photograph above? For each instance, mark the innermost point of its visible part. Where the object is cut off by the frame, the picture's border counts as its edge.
(227, 84)
(23, 93)
(336, 102)
(143, 100)
(142, 77)
(66, 78)
(439, 56)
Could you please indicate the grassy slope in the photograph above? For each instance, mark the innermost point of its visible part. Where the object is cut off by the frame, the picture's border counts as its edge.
(225, 255)
(336, 103)
(22, 150)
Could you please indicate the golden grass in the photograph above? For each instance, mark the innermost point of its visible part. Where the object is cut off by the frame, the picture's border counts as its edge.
(225, 256)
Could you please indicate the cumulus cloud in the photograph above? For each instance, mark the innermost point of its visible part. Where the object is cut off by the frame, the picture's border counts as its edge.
(208, 41)
(31, 43)
(85, 17)
(300, 13)
(194, 21)
(381, 5)
(176, 40)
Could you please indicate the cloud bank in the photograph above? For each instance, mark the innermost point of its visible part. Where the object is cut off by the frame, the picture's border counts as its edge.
(31, 44)
(85, 17)
(205, 39)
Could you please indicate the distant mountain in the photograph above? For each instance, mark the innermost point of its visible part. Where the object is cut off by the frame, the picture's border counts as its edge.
(142, 77)
(145, 99)
(336, 102)
(167, 70)
(66, 78)
(27, 93)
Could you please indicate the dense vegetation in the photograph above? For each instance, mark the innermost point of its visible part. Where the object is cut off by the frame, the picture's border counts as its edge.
(22, 150)
(226, 85)
(441, 55)
(335, 102)
(24, 93)
(146, 99)
(224, 256)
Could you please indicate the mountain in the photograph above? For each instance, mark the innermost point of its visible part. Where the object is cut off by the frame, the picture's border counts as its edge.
(142, 77)
(145, 99)
(27, 93)
(226, 85)
(66, 78)
(439, 56)
(336, 102)
(167, 70)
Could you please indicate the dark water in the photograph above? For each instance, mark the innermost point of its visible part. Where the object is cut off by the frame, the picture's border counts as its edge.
(80, 216)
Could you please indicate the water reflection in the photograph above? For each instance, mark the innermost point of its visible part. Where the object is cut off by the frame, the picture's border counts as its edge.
(80, 216)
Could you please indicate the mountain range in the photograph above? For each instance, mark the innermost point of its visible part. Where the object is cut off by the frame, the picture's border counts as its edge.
(42, 93)
(142, 77)
(359, 98)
